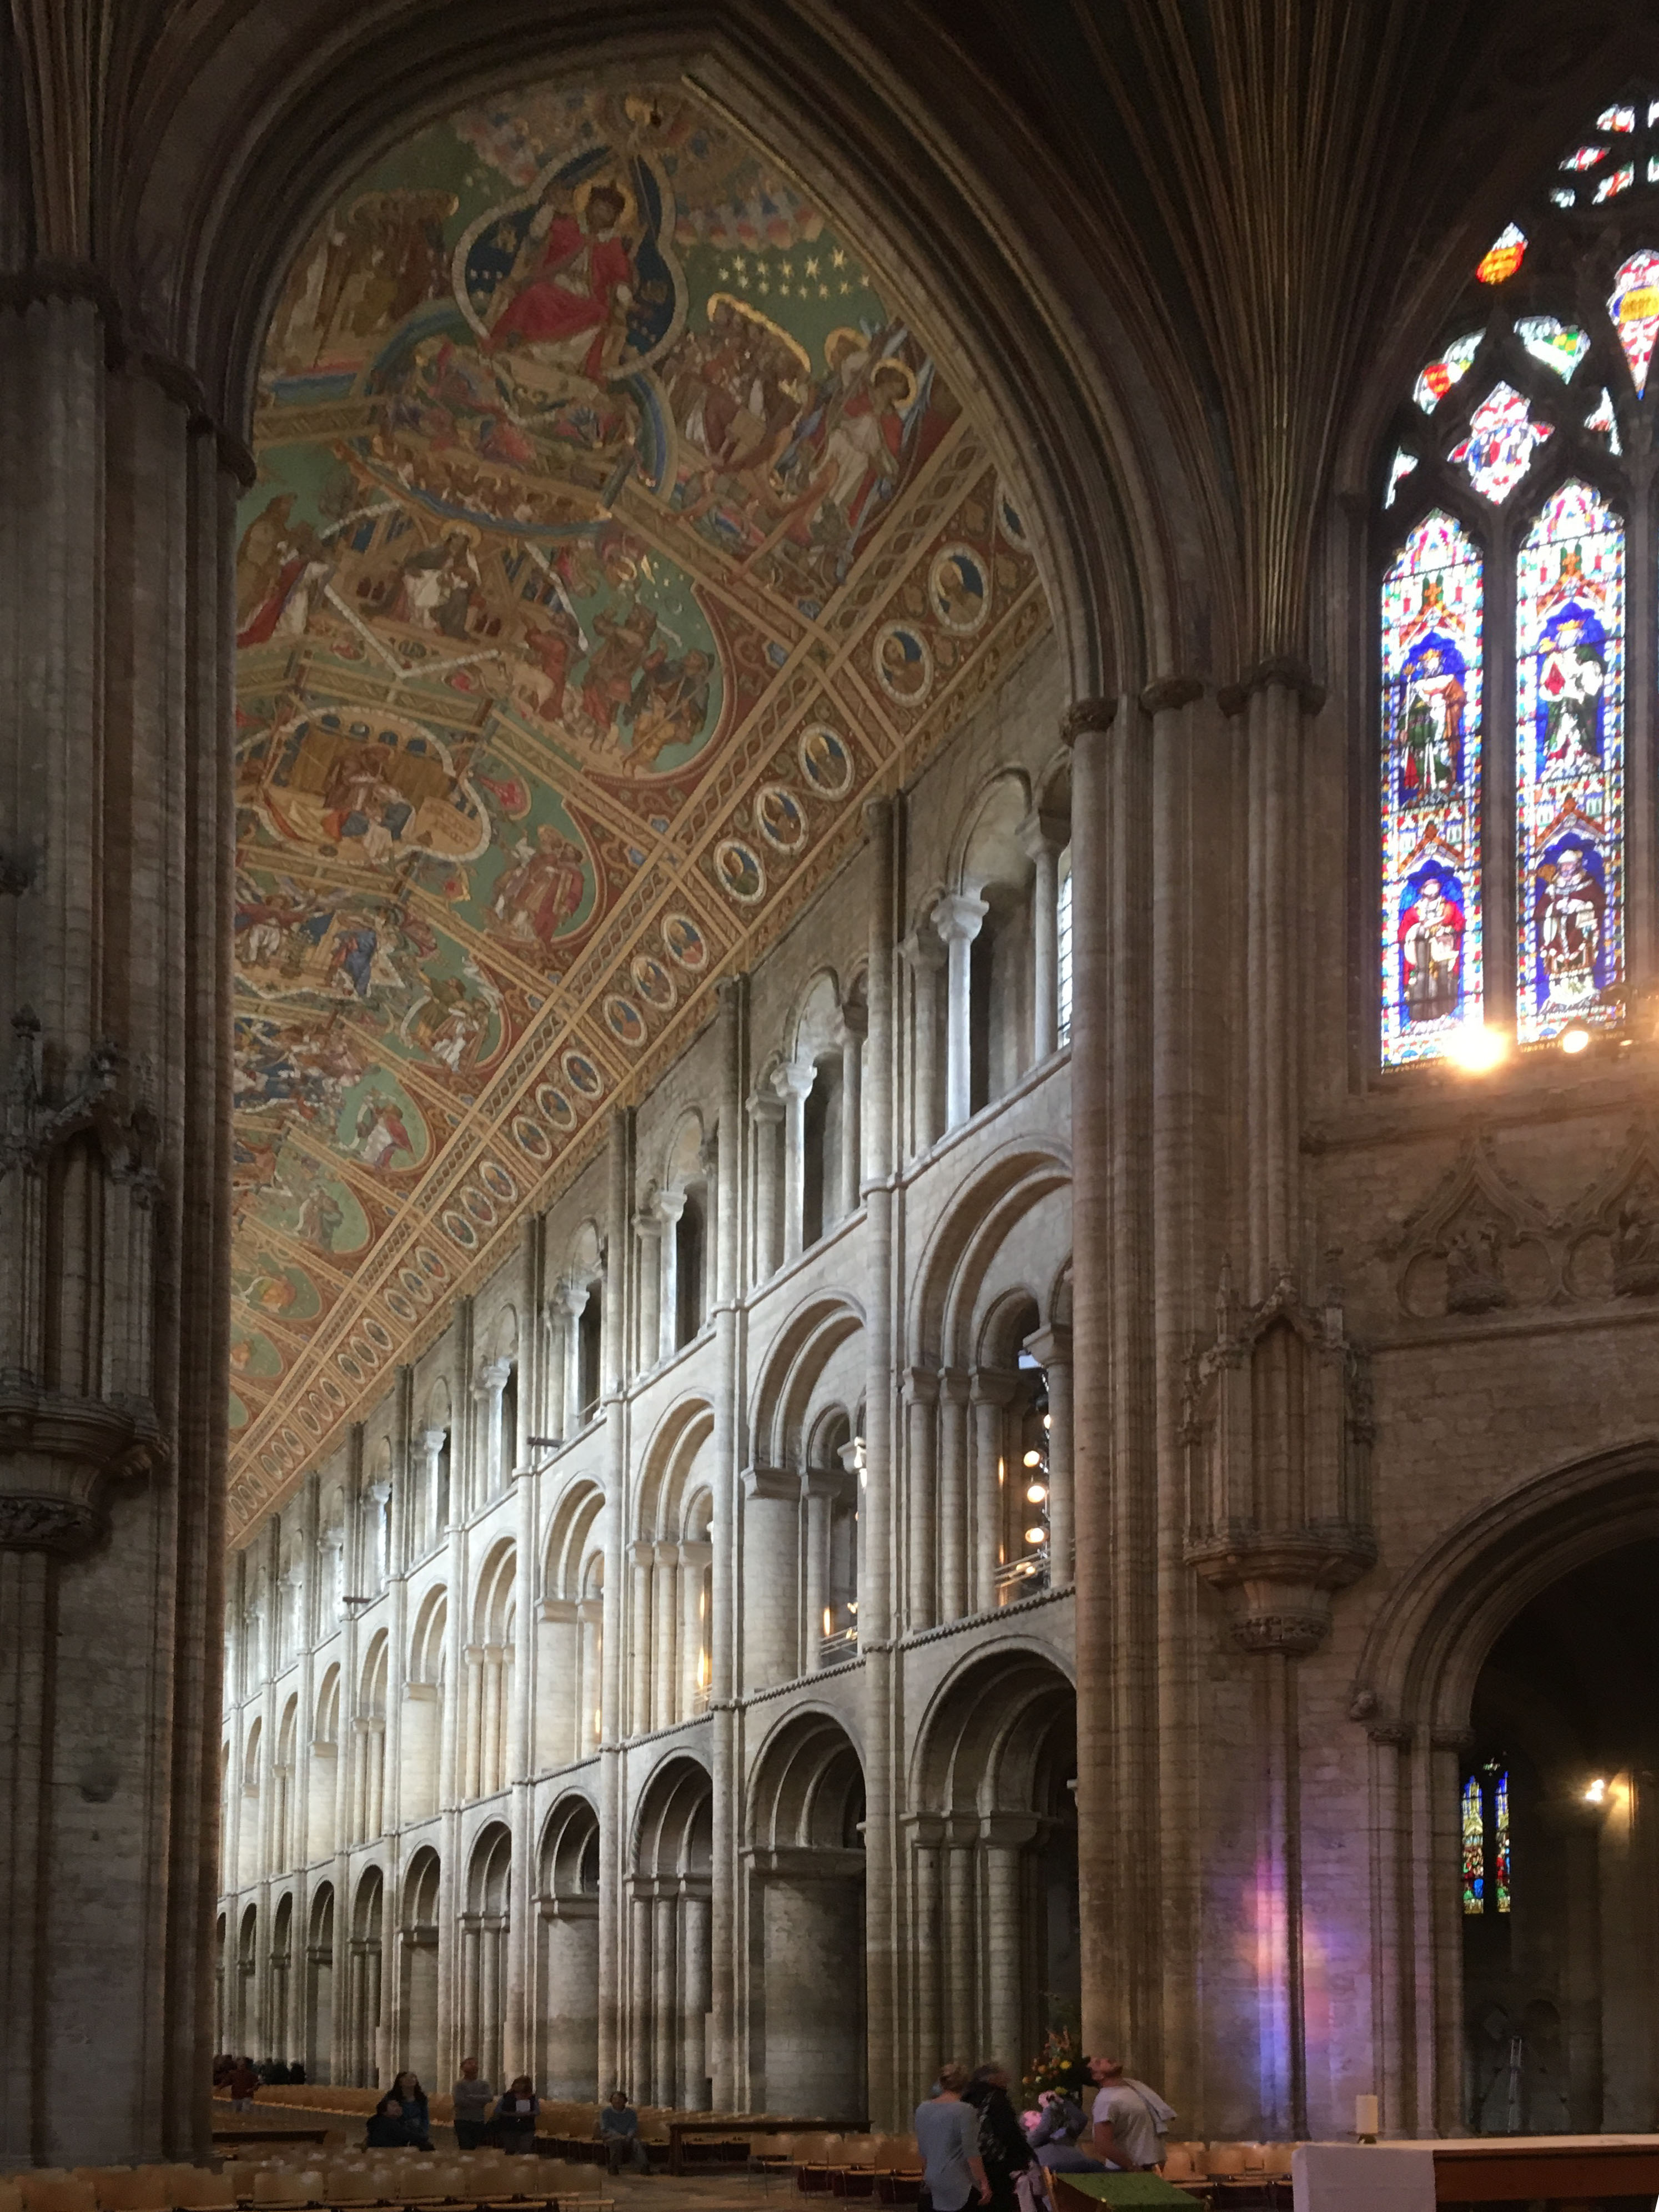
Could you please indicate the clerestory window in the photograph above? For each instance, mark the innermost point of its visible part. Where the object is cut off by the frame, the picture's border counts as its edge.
(1506, 507)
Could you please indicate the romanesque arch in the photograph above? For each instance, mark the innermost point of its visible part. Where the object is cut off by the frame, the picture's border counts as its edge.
(567, 2011)
(668, 1970)
(485, 1920)
(419, 1936)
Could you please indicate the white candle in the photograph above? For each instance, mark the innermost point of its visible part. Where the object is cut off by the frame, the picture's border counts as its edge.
(1364, 2116)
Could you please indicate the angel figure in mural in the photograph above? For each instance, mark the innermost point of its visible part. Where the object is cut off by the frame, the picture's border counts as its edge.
(1571, 914)
(1569, 684)
(624, 640)
(1435, 701)
(566, 300)
(1431, 947)
(541, 891)
(381, 1131)
(669, 704)
(440, 582)
(282, 566)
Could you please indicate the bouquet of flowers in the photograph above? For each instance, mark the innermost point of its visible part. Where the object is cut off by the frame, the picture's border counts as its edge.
(1059, 2065)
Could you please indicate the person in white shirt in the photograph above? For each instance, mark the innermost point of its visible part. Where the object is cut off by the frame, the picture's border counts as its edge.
(1126, 2118)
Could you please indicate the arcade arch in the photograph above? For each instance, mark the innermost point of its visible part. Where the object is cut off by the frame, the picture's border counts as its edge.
(567, 2011)
(668, 1891)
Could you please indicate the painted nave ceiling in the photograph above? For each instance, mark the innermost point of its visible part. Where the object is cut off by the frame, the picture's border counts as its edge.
(615, 537)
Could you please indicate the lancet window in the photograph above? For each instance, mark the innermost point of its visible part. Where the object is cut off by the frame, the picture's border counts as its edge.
(1485, 1825)
(1510, 852)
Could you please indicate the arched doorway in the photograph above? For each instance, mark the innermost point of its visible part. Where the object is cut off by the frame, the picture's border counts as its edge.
(668, 1939)
(362, 2057)
(805, 1914)
(418, 1966)
(996, 1938)
(483, 1948)
(320, 1986)
(1559, 1835)
(568, 2006)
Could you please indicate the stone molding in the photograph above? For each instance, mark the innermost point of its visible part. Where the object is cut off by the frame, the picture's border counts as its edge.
(29, 1522)
(1169, 693)
(1085, 715)
(1281, 670)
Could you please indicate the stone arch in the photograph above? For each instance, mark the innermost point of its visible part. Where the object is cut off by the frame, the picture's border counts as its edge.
(490, 1661)
(568, 1627)
(1413, 1692)
(323, 1796)
(667, 1476)
(567, 1965)
(247, 1959)
(668, 1887)
(282, 1978)
(793, 1367)
(958, 1256)
(421, 1734)
(284, 1769)
(369, 1742)
(995, 1852)
(573, 1535)
(805, 1861)
(365, 1975)
(319, 2024)
(485, 1924)
(670, 1593)
(418, 1940)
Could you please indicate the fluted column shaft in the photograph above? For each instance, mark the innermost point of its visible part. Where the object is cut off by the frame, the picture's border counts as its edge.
(794, 1083)
(921, 1399)
(766, 1117)
(954, 1510)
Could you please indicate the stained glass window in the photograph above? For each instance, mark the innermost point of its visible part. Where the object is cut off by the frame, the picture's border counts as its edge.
(1497, 452)
(1585, 158)
(1399, 469)
(1603, 421)
(1500, 1840)
(1563, 196)
(1615, 181)
(1616, 118)
(1633, 305)
(1557, 345)
(1063, 955)
(1453, 366)
(1569, 764)
(1431, 692)
(1475, 1847)
(1503, 257)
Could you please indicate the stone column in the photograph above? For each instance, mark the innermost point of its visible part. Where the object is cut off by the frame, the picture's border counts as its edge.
(571, 1301)
(670, 1206)
(991, 1394)
(640, 2084)
(429, 1443)
(642, 1557)
(766, 1116)
(920, 1397)
(771, 1614)
(378, 1496)
(817, 1492)
(665, 2007)
(694, 2000)
(953, 1512)
(647, 1230)
(694, 1627)
(490, 1470)
(663, 1657)
(1043, 837)
(792, 1084)
(924, 956)
(1004, 1836)
(957, 918)
(853, 1022)
(1052, 1350)
(721, 2053)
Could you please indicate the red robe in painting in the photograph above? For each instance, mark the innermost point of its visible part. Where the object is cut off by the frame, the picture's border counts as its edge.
(570, 290)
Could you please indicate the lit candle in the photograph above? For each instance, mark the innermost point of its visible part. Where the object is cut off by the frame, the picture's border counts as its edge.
(1365, 2119)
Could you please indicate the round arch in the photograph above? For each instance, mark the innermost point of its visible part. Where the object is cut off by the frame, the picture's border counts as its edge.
(567, 2016)
(957, 1257)
(669, 1892)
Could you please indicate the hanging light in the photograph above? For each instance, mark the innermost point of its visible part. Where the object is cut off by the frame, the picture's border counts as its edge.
(1033, 1459)
(1036, 1492)
(1597, 1792)
(1575, 1037)
(1037, 1535)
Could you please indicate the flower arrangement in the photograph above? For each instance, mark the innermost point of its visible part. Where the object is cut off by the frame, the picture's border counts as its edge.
(1058, 2065)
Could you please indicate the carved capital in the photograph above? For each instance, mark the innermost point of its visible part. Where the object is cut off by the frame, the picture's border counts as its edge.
(1171, 692)
(1280, 670)
(64, 1525)
(1084, 715)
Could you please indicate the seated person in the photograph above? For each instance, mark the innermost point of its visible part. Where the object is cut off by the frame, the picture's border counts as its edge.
(515, 2118)
(1054, 2131)
(619, 2131)
(401, 2120)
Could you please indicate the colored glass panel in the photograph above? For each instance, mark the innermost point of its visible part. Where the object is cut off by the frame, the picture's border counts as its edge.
(1585, 158)
(1633, 305)
(1474, 1848)
(1063, 957)
(1569, 753)
(1616, 118)
(1615, 181)
(1653, 168)
(1399, 469)
(1604, 422)
(1653, 112)
(1499, 450)
(1453, 366)
(1557, 345)
(1563, 196)
(1500, 1842)
(1432, 705)
(1503, 257)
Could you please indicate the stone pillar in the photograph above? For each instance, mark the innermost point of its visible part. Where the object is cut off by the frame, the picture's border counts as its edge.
(889, 2081)
(378, 1561)
(991, 1394)
(926, 1946)
(920, 1397)
(924, 956)
(641, 2090)
(792, 1084)
(1005, 1836)
(771, 1612)
(642, 1557)
(671, 1206)
(953, 1512)
(571, 1301)
(663, 1656)
(647, 1230)
(429, 1443)
(490, 1469)
(665, 2006)
(694, 2000)
(853, 1022)
(1052, 1350)
(957, 918)
(1043, 837)
(817, 1492)
(721, 2051)
(766, 1117)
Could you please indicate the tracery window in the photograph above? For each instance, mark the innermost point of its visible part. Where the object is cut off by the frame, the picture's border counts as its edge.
(1486, 1839)
(1504, 635)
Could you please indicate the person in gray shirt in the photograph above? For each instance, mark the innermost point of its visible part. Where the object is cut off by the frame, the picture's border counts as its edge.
(947, 2136)
(473, 2099)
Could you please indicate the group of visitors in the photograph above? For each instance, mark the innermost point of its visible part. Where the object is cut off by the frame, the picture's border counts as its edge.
(977, 2150)
(403, 2118)
(245, 2080)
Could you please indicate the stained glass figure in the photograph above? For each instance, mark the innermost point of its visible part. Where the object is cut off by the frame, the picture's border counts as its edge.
(1653, 168)
(1616, 118)
(1453, 366)
(1604, 422)
(1615, 181)
(1475, 1847)
(1399, 469)
(1503, 256)
(1497, 452)
(1633, 305)
(1500, 1840)
(1431, 695)
(1569, 764)
(1585, 158)
(1557, 345)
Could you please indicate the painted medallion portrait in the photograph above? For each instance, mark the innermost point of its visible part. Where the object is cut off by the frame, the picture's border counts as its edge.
(904, 666)
(959, 590)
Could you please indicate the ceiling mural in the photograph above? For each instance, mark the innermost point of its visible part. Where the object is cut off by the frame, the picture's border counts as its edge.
(613, 537)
